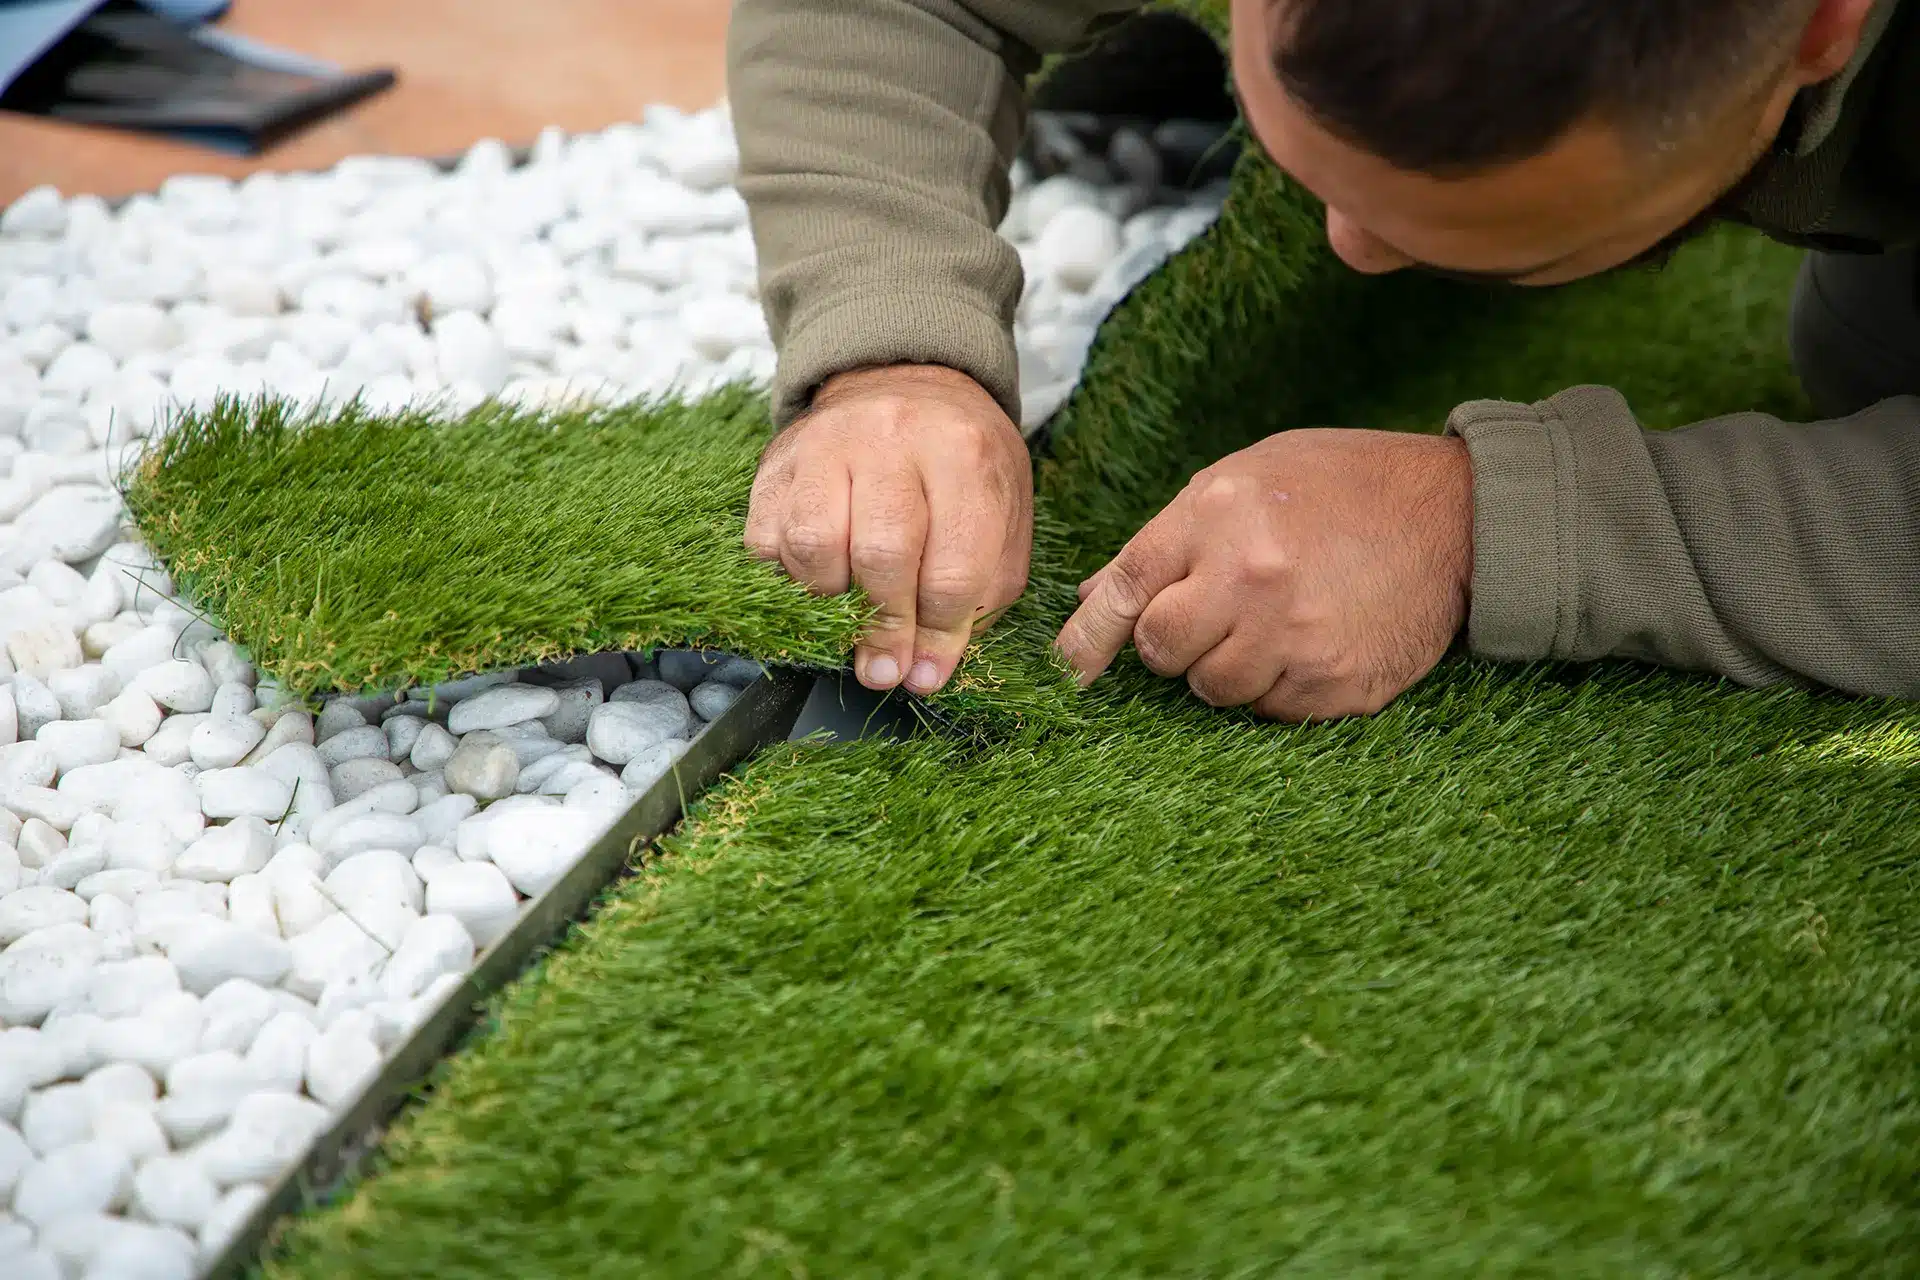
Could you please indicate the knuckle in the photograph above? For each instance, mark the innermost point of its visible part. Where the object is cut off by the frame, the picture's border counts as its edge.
(1266, 564)
(954, 588)
(1218, 492)
(811, 543)
(1210, 689)
(1155, 655)
(884, 556)
(1125, 585)
(1156, 641)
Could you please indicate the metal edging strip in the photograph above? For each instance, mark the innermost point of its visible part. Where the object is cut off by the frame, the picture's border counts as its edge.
(764, 713)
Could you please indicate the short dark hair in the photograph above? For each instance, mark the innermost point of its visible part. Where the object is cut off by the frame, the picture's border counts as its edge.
(1451, 86)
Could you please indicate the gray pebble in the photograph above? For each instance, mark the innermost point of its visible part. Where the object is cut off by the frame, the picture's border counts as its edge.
(416, 710)
(685, 668)
(352, 777)
(648, 691)
(609, 669)
(578, 698)
(529, 741)
(535, 775)
(402, 733)
(433, 748)
(359, 743)
(1134, 155)
(34, 706)
(501, 708)
(465, 687)
(652, 764)
(711, 699)
(483, 767)
(739, 672)
(336, 717)
(619, 731)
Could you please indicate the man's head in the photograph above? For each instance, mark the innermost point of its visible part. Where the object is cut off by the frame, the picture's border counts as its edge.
(1537, 141)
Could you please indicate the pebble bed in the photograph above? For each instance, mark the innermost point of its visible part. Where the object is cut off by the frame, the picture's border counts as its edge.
(220, 910)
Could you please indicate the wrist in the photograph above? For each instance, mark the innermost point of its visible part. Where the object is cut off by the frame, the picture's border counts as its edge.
(896, 379)
(1460, 520)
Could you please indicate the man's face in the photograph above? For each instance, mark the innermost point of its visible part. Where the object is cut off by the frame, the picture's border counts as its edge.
(1593, 201)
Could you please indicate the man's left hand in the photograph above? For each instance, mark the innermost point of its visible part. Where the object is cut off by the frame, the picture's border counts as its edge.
(1316, 575)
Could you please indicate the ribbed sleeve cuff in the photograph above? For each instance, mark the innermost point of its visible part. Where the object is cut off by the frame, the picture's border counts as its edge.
(1540, 473)
(895, 327)
(1524, 588)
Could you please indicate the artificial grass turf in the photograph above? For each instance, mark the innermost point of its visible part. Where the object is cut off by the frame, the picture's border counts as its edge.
(352, 551)
(1572, 972)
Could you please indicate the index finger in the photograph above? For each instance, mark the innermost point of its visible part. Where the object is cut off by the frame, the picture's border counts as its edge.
(1154, 560)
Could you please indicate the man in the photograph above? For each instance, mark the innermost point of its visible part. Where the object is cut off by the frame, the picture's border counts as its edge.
(1322, 572)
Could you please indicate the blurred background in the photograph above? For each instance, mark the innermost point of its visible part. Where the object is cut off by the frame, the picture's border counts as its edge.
(465, 70)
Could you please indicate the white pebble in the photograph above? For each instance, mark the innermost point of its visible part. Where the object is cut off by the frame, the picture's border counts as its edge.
(233, 1013)
(536, 847)
(135, 716)
(120, 1082)
(336, 717)
(711, 700)
(269, 1131)
(174, 1190)
(178, 685)
(652, 764)
(237, 848)
(277, 1058)
(43, 649)
(340, 1062)
(216, 951)
(83, 691)
(87, 1177)
(127, 329)
(452, 281)
(56, 1117)
(76, 743)
(434, 946)
(233, 1211)
(131, 1128)
(335, 948)
(242, 792)
(39, 213)
(468, 351)
(38, 907)
(223, 741)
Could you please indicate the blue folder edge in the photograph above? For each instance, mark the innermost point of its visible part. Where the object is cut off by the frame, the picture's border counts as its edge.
(28, 28)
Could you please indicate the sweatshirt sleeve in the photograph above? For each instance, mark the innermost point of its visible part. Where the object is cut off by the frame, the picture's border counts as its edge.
(1744, 546)
(875, 139)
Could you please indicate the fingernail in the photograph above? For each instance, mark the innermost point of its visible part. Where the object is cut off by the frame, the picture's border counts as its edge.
(884, 671)
(924, 675)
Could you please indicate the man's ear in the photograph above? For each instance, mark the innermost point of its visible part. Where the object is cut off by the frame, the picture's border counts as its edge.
(1830, 39)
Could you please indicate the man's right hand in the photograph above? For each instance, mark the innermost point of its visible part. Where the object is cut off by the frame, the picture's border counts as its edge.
(911, 483)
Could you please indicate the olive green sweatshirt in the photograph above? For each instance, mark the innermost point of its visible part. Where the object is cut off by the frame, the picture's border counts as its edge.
(875, 141)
